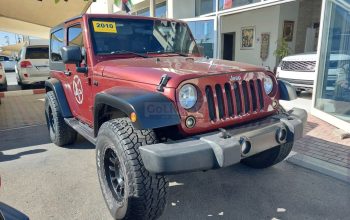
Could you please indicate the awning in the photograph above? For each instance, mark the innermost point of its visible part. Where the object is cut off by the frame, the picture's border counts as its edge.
(6, 53)
(36, 17)
(13, 47)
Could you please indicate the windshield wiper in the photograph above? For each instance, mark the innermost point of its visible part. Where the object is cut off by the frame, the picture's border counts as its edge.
(129, 52)
(164, 52)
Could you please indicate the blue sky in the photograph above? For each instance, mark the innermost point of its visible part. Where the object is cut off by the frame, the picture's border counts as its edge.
(11, 36)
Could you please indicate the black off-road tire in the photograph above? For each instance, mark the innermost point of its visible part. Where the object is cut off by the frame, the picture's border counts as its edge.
(144, 194)
(270, 157)
(61, 133)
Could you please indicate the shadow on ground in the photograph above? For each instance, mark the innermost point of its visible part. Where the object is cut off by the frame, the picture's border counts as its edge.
(81, 144)
(24, 137)
(9, 157)
(239, 192)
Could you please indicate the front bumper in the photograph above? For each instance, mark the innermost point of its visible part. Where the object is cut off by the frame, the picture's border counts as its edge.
(300, 84)
(32, 80)
(213, 150)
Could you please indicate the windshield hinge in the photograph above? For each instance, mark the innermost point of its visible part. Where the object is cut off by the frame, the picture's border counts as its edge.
(163, 81)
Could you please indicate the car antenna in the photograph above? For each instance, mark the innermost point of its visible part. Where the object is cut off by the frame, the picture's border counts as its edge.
(163, 81)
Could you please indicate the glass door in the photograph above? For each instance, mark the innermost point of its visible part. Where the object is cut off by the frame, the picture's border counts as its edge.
(333, 82)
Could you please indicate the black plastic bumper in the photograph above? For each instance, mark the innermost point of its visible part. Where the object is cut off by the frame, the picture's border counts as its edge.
(212, 150)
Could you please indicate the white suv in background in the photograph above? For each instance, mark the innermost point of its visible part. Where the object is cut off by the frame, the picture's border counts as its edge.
(299, 70)
(33, 65)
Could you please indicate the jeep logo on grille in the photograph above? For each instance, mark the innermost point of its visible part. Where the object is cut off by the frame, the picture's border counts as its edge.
(235, 78)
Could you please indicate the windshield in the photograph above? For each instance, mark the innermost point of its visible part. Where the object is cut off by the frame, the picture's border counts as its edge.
(37, 53)
(130, 36)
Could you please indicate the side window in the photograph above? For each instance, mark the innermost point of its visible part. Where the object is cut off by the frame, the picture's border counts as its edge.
(56, 43)
(75, 36)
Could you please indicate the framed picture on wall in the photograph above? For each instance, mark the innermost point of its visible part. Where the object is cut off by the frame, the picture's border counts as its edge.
(247, 38)
(265, 43)
(288, 29)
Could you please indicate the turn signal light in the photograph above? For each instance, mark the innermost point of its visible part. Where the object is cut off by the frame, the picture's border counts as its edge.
(26, 64)
(133, 117)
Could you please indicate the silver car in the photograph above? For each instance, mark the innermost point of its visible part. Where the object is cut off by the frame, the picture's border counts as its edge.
(33, 65)
(8, 63)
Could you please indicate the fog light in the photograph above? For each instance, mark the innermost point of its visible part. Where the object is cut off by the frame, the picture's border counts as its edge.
(26, 75)
(190, 122)
(246, 146)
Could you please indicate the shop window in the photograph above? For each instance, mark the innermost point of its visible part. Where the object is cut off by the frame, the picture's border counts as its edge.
(205, 7)
(227, 4)
(56, 45)
(333, 82)
(203, 32)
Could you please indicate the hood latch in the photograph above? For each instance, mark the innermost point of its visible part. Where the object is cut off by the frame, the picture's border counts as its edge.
(163, 81)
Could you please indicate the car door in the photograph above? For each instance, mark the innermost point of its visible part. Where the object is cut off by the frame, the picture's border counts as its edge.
(78, 85)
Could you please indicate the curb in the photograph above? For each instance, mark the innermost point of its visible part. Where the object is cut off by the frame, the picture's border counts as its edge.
(320, 166)
(22, 92)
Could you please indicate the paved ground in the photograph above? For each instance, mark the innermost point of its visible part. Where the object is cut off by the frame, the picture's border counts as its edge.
(47, 182)
(320, 141)
(12, 82)
(19, 111)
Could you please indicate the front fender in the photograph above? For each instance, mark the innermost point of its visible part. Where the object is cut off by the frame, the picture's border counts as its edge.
(153, 109)
(286, 90)
(56, 86)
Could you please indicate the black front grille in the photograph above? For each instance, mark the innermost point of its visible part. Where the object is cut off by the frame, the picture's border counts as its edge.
(237, 99)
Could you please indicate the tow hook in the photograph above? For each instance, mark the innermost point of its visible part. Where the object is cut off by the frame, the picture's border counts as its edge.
(224, 133)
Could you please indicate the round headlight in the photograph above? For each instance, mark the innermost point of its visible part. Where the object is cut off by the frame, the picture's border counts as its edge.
(188, 96)
(268, 84)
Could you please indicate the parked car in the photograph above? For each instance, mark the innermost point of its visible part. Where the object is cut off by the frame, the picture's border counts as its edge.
(139, 89)
(3, 81)
(33, 65)
(299, 70)
(8, 63)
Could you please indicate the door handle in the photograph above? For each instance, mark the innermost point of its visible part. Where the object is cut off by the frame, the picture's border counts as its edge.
(67, 73)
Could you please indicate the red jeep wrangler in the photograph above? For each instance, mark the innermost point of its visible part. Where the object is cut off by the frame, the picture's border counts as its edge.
(138, 89)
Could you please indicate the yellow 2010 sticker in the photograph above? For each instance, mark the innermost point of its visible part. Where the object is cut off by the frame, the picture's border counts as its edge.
(104, 26)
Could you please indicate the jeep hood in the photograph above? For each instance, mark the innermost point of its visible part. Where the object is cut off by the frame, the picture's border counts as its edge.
(150, 70)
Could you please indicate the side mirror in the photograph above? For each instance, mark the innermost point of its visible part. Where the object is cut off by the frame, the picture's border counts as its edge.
(71, 55)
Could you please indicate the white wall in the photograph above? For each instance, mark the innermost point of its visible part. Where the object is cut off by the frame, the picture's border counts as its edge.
(180, 9)
(289, 12)
(264, 20)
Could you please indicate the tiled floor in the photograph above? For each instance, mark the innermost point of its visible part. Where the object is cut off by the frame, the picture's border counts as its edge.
(323, 143)
(20, 111)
